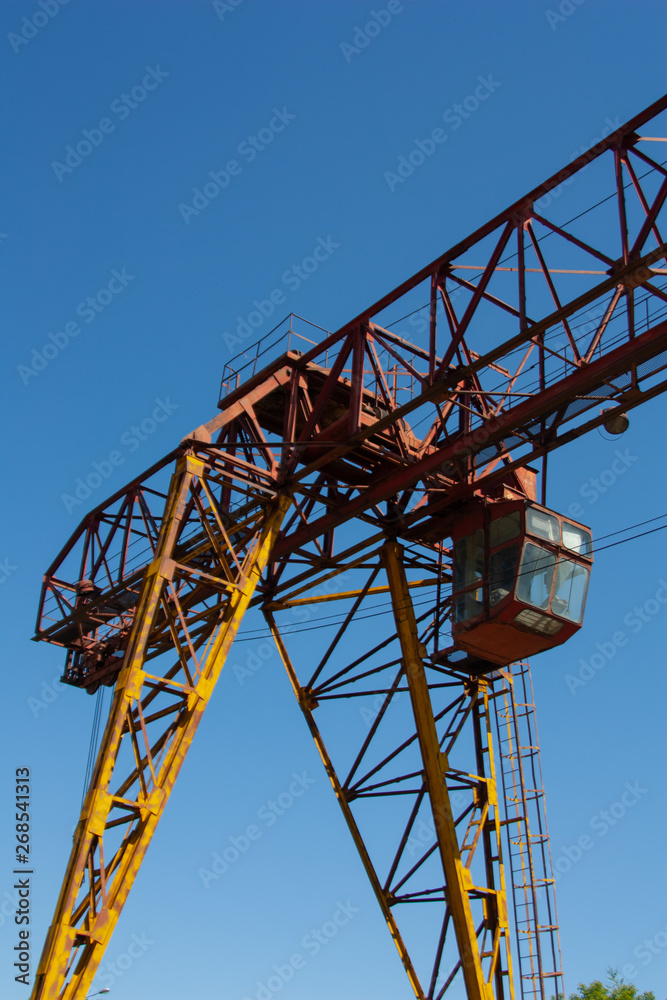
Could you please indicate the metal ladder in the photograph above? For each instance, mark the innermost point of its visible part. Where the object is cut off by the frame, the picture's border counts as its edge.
(538, 958)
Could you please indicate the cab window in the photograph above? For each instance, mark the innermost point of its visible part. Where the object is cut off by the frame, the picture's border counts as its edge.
(503, 529)
(570, 590)
(577, 539)
(468, 571)
(502, 573)
(544, 525)
(536, 576)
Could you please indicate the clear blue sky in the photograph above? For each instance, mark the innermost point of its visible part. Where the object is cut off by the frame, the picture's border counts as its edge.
(173, 282)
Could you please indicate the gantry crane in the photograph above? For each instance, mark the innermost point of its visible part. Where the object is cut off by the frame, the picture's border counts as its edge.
(355, 470)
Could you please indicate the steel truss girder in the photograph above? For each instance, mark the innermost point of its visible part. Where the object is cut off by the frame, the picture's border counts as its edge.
(154, 715)
(342, 407)
(489, 438)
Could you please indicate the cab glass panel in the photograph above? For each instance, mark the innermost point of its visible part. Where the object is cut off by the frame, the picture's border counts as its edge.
(503, 529)
(468, 574)
(536, 575)
(544, 525)
(502, 572)
(570, 590)
(577, 539)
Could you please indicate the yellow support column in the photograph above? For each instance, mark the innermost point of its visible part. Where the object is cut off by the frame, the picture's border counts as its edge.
(457, 876)
(101, 871)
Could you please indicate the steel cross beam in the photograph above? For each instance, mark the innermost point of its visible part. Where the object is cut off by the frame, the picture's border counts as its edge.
(489, 436)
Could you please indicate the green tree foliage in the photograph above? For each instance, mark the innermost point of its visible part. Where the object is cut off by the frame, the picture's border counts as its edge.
(617, 989)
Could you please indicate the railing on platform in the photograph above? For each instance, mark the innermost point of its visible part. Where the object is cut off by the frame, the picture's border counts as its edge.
(293, 333)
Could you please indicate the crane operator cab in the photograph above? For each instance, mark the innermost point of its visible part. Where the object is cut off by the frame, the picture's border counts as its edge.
(520, 580)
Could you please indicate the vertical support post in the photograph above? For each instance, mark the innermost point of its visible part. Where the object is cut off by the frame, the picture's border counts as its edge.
(357, 379)
(432, 335)
(457, 876)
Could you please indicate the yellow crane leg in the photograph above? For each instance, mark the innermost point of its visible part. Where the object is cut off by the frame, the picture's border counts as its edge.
(458, 882)
(381, 895)
(122, 807)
